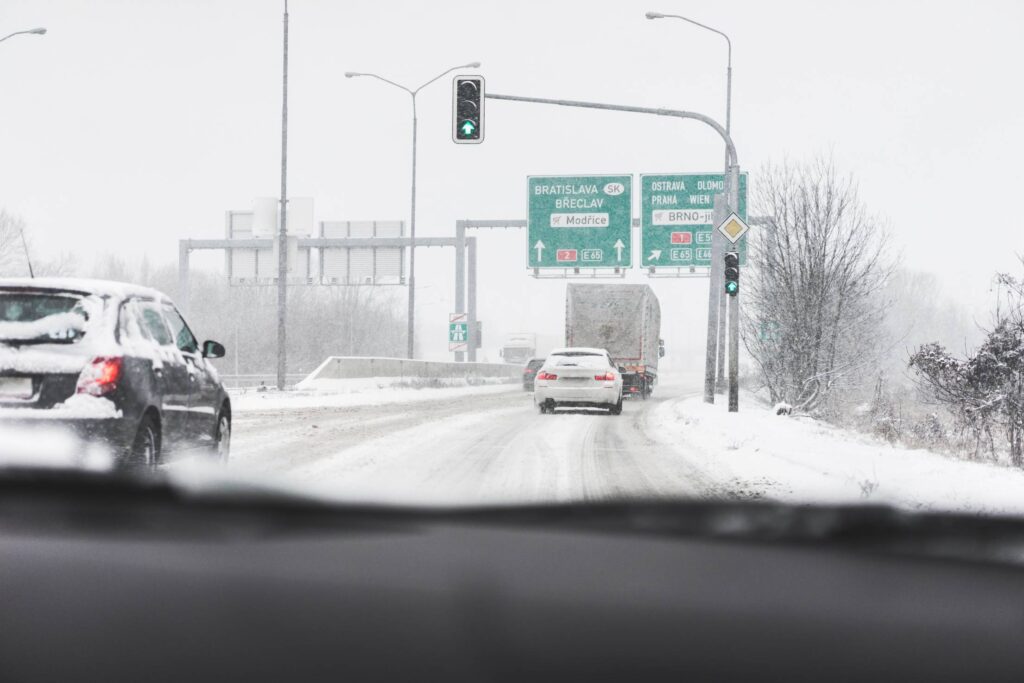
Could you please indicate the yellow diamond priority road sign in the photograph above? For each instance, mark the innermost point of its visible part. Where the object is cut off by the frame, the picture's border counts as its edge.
(733, 228)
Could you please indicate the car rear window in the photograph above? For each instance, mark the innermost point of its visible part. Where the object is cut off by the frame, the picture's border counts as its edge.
(581, 360)
(38, 317)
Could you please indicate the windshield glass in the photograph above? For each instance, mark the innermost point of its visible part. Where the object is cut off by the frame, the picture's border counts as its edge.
(519, 252)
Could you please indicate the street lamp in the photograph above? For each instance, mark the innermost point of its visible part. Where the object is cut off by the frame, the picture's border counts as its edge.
(716, 239)
(29, 32)
(728, 89)
(412, 223)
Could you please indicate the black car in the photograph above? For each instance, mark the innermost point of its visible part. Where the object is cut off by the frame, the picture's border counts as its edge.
(113, 363)
(530, 372)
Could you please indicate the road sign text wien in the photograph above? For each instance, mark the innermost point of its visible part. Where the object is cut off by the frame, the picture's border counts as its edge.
(580, 221)
(677, 218)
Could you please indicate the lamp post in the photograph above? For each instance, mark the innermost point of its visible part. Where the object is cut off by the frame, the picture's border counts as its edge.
(29, 32)
(716, 240)
(410, 331)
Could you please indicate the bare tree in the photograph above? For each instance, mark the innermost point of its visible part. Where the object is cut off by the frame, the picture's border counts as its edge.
(13, 260)
(985, 390)
(815, 297)
(16, 250)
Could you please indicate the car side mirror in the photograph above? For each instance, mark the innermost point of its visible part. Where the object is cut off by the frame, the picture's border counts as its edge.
(212, 349)
(621, 369)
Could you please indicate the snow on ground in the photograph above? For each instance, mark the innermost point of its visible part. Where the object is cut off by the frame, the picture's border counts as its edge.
(757, 454)
(357, 392)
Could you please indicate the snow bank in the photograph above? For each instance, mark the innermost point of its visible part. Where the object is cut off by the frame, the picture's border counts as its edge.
(758, 454)
(23, 446)
(356, 392)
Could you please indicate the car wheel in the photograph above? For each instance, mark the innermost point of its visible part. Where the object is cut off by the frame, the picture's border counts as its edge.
(617, 408)
(145, 448)
(222, 439)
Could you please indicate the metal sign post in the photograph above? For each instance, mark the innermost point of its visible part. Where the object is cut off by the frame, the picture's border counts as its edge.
(733, 228)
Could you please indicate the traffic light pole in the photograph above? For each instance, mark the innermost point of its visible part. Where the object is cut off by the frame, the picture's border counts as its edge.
(734, 307)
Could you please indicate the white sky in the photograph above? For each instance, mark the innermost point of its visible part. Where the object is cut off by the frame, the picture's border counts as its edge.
(133, 124)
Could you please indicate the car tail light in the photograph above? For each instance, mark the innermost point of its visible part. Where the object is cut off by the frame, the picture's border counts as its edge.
(528, 371)
(546, 375)
(100, 376)
(606, 377)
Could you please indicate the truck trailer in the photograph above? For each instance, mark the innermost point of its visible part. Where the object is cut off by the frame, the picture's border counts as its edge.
(625, 320)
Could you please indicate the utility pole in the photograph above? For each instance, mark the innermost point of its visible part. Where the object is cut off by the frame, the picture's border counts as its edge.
(282, 234)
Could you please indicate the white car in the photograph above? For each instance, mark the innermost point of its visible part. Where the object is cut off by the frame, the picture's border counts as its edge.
(578, 378)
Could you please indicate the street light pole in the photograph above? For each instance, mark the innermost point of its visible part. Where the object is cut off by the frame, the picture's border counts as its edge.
(716, 308)
(282, 233)
(411, 316)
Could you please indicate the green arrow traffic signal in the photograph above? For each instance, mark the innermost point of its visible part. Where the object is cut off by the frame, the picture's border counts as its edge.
(732, 273)
(468, 109)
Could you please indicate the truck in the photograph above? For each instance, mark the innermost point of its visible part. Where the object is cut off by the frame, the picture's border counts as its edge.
(625, 320)
(519, 347)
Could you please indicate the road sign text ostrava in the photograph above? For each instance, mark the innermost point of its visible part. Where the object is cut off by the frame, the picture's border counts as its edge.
(580, 221)
(676, 218)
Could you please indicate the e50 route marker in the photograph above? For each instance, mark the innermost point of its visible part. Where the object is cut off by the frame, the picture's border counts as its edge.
(582, 221)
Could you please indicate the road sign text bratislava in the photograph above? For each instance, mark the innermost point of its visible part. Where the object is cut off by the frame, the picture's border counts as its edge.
(580, 221)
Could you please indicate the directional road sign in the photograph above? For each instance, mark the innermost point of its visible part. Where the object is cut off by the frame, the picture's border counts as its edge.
(458, 332)
(580, 221)
(676, 220)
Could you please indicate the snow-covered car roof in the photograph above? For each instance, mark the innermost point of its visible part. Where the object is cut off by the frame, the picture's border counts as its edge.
(111, 288)
(578, 349)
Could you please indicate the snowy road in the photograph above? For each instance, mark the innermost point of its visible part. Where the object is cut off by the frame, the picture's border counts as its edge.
(493, 447)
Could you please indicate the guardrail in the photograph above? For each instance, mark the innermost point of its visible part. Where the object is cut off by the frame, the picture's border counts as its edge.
(253, 381)
(356, 367)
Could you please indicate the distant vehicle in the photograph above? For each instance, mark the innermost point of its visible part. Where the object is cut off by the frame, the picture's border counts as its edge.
(114, 363)
(518, 348)
(578, 378)
(623, 319)
(530, 372)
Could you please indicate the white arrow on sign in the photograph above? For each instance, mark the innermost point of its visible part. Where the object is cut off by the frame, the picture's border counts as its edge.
(655, 255)
(619, 246)
(540, 249)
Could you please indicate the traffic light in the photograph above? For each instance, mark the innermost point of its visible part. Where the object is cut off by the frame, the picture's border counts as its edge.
(468, 110)
(732, 273)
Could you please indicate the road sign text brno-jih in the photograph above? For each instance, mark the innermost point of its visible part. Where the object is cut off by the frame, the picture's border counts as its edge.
(580, 221)
(676, 220)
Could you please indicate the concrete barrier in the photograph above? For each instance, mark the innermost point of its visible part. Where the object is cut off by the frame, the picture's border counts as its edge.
(356, 367)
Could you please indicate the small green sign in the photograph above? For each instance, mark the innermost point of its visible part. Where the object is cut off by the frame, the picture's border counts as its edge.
(676, 218)
(458, 333)
(580, 221)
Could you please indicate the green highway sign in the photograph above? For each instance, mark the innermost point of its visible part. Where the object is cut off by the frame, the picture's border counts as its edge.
(676, 218)
(580, 221)
(458, 332)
